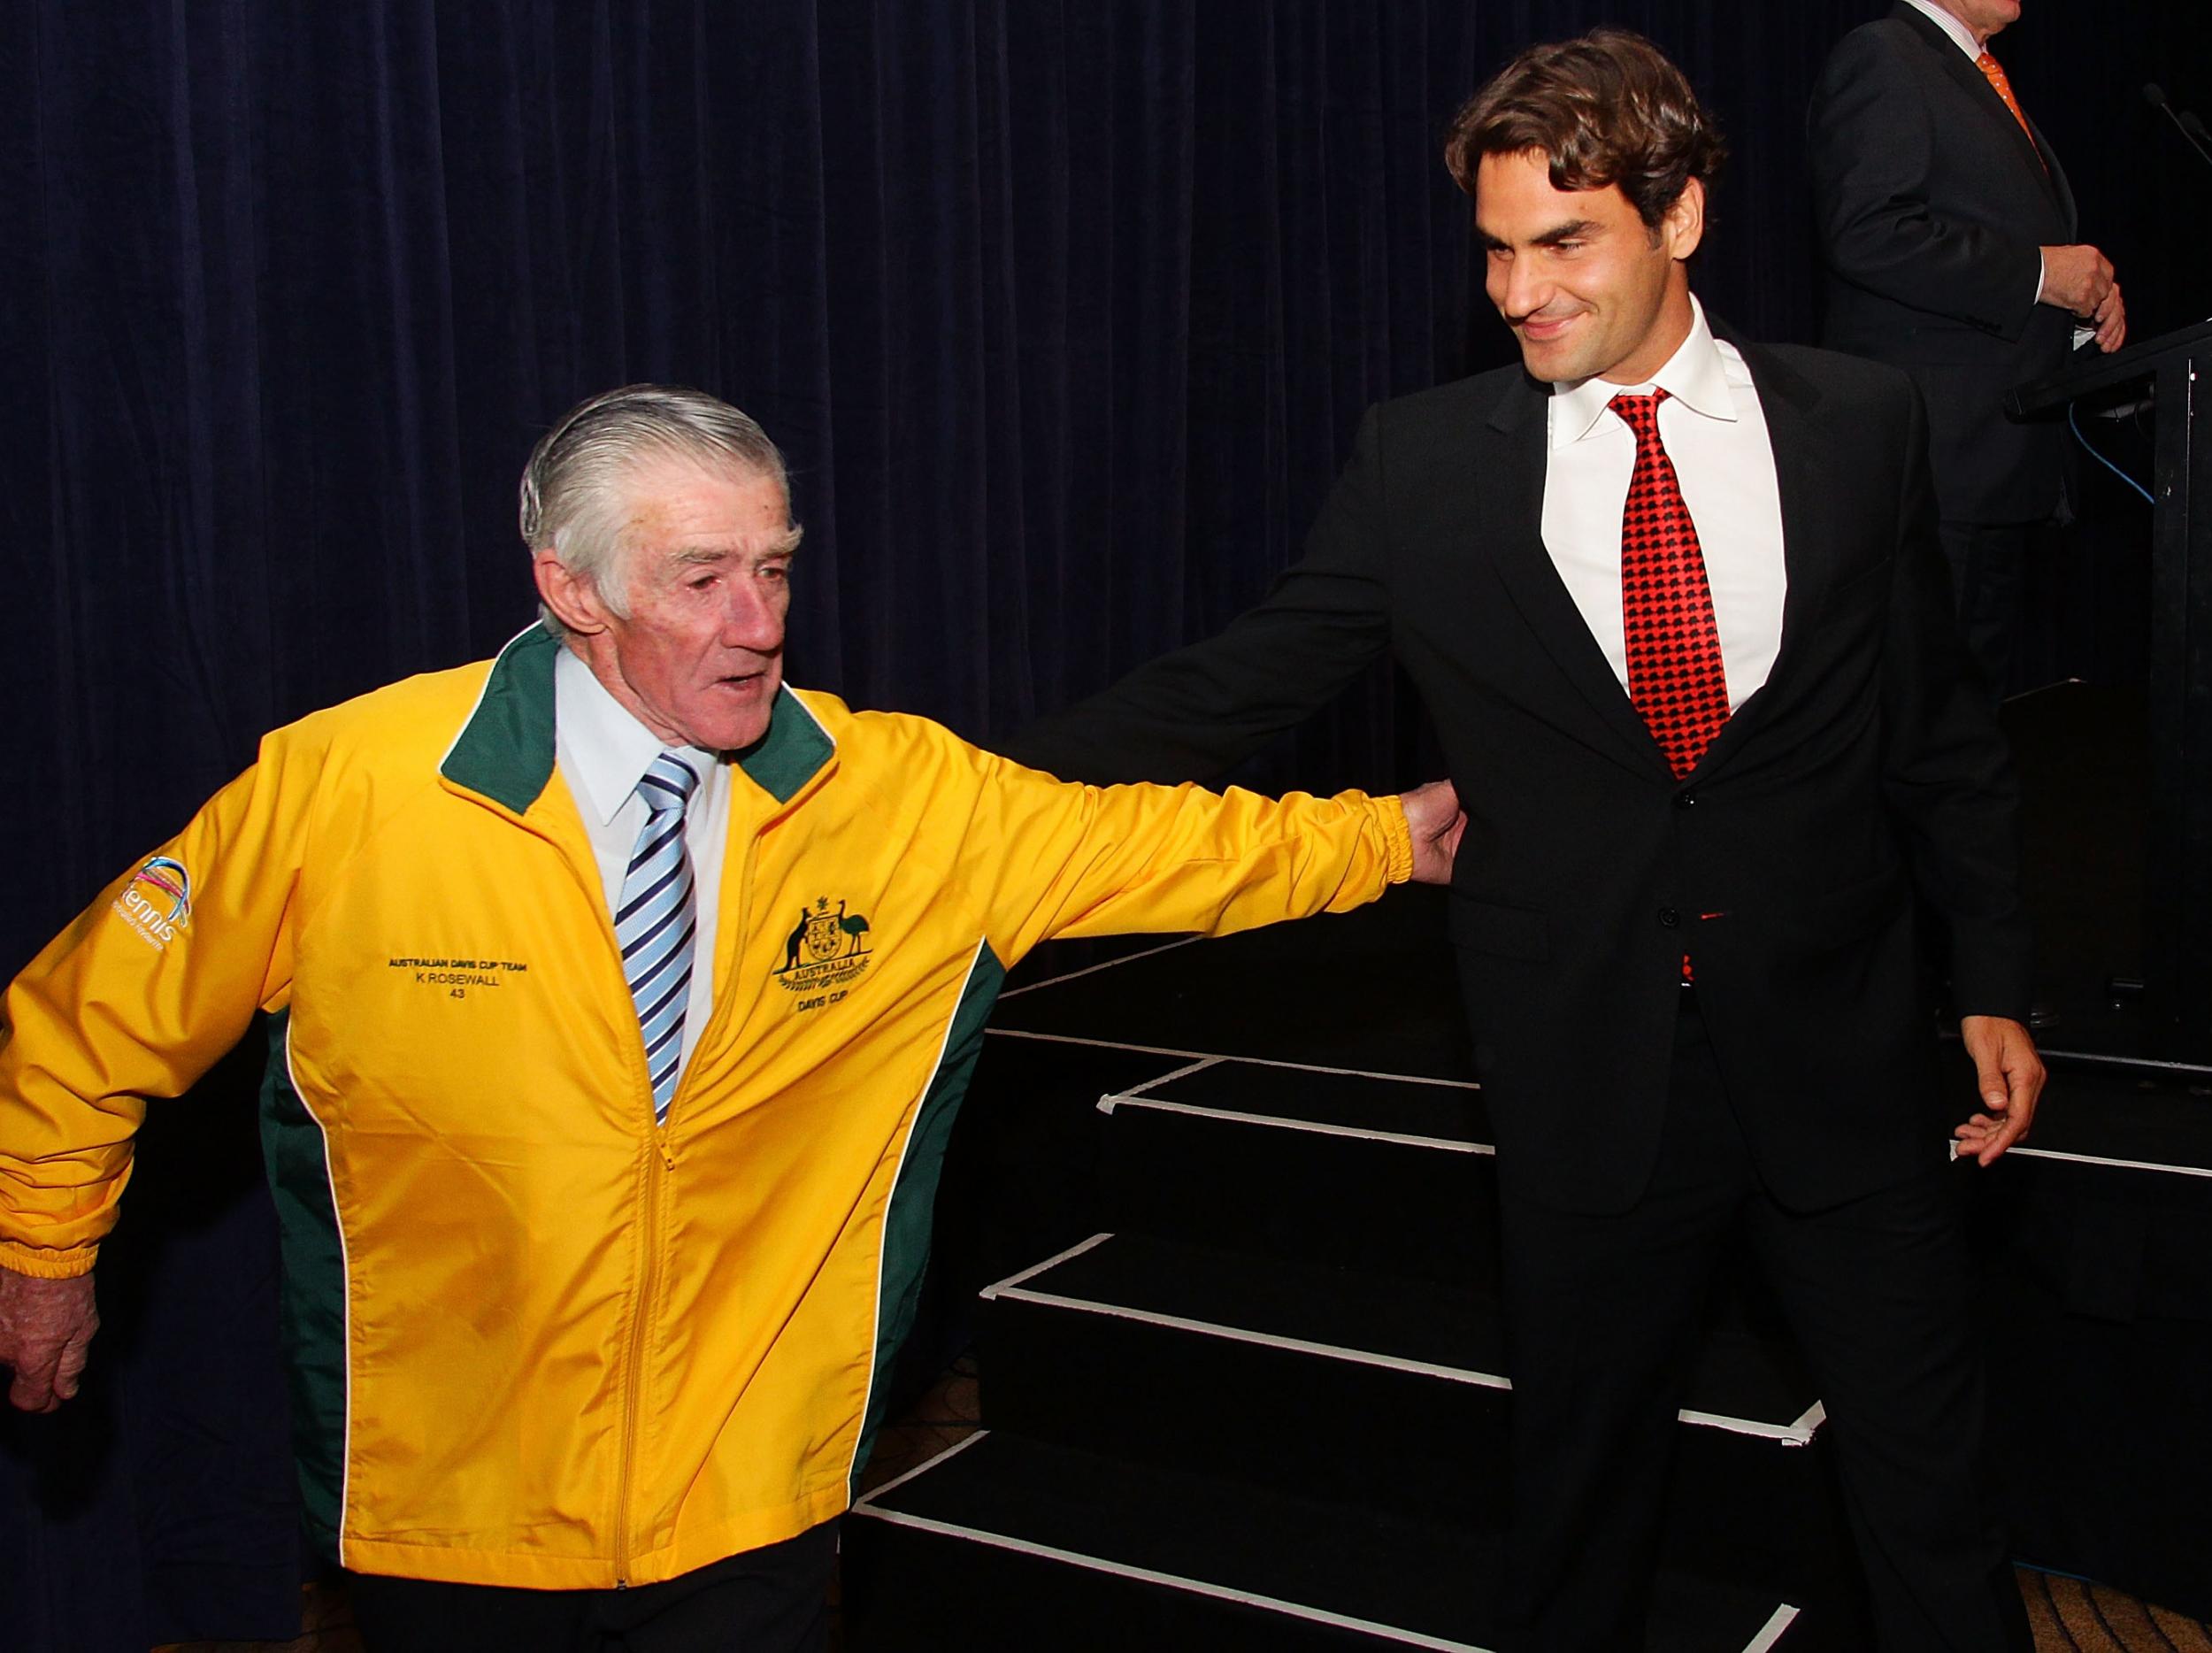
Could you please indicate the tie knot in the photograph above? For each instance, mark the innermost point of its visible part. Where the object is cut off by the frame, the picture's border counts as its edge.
(667, 784)
(1639, 413)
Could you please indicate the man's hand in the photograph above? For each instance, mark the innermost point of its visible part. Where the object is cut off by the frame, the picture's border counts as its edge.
(1436, 821)
(2077, 279)
(44, 1327)
(2010, 1075)
(2111, 318)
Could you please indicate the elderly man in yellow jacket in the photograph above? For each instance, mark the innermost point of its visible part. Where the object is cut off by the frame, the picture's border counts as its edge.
(604, 1186)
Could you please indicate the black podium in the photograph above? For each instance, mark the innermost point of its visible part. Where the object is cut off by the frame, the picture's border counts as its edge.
(2177, 846)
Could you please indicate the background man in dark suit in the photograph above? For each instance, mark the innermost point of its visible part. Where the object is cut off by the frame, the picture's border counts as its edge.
(1692, 658)
(1947, 228)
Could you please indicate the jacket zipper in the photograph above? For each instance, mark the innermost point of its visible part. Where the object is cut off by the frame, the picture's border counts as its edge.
(586, 872)
(633, 1380)
(661, 1163)
(657, 1165)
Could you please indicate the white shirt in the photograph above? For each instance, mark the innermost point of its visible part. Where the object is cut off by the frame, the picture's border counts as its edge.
(1962, 37)
(604, 752)
(1714, 431)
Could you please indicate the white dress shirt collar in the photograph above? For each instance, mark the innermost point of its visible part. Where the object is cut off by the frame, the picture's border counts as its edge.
(1695, 375)
(1717, 440)
(610, 750)
(1962, 36)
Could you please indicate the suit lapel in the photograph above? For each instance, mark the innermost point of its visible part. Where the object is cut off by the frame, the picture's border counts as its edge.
(1979, 92)
(1508, 509)
(1804, 476)
(1508, 512)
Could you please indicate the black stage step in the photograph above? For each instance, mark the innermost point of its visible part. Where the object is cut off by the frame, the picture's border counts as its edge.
(1368, 1390)
(2101, 1335)
(1373, 988)
(1370, 1171)
(1006, 1543)
(1380, 1172)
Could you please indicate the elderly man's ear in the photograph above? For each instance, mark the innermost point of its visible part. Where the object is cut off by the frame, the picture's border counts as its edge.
(574, 600)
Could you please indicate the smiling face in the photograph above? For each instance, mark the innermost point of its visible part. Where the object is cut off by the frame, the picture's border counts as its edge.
(1589, 289)
(706, 560)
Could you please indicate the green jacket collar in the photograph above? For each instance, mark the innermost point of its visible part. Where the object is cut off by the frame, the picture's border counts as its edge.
(504, 752)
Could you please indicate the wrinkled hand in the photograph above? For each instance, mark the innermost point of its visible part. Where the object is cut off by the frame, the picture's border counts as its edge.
(1436, 821)
(45, 1326)
(2010, 1075)
(2078, 279)
(2111, 318)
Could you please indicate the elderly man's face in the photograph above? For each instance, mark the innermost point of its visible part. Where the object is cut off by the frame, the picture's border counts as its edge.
(1984, 18)
(700, 657)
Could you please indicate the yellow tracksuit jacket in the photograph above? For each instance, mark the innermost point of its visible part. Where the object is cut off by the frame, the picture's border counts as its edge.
(536, 1340)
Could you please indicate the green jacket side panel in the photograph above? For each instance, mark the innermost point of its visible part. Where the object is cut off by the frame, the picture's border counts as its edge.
(313, 1308)
(908, 1217)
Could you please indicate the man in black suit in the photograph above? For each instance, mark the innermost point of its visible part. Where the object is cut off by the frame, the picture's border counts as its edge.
(1947, 228)
(1692, 658)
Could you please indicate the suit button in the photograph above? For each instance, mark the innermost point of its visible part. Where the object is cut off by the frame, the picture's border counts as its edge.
(1686, 800)
(1669, 919)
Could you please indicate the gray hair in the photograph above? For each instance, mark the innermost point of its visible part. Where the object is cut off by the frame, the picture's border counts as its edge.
(573, 494)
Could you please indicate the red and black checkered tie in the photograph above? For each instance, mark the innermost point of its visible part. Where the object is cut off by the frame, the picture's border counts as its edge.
(1675, 676)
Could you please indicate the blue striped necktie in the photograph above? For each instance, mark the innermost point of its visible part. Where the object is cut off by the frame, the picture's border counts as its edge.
(654, 922)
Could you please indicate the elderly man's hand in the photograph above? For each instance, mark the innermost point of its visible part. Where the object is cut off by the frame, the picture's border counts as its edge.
(45, 1326)
(1436, 821)
(2110, 319)
(2076, 278)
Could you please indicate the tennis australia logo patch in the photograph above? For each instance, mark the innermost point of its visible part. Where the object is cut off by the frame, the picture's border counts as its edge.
(158, 902)
(824, 954)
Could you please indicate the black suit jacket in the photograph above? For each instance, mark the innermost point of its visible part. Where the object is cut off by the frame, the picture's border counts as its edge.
(1930, 204)
(1785, 864)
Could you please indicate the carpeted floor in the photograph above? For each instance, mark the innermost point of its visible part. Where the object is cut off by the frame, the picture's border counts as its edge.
(2070, 1614)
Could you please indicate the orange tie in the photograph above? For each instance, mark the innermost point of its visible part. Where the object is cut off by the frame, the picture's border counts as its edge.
(1995, 76)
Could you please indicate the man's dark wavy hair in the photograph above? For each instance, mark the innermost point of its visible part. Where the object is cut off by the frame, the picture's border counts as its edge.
(1606, 108)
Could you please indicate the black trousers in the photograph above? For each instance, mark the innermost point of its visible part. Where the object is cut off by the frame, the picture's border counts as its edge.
(1602, 1315)
(1989, 583)
(771, 1600)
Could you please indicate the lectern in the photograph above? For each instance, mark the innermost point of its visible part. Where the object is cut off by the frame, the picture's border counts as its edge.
(2178, 845)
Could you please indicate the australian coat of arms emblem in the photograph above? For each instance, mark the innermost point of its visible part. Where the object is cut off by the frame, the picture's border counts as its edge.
(826, 947)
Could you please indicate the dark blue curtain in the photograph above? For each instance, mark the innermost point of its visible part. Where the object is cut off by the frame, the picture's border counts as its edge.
(1063, 311)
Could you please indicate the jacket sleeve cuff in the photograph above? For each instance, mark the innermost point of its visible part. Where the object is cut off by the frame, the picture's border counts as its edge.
(1397, 840)
(1992, 980)
(46, 1262)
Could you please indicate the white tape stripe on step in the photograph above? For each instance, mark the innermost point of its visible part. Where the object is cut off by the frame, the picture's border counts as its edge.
(2117, 1165)
(1036, 1268)
(1126, 958)
(923, 1468)
(870, 1508)
(1799, 1433)
(1247, 1061)
(1241, 1334)
(1784, 1617)
(1106, 1104)
(1173, 1581)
